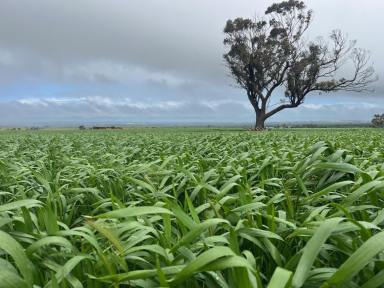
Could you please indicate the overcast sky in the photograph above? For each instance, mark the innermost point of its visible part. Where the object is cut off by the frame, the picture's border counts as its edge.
(77, 61)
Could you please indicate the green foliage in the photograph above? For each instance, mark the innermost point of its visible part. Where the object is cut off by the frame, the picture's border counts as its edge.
(378, 120)
(192, 208)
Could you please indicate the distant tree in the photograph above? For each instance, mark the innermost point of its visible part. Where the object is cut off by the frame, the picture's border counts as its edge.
(269, 53)
(378, 120)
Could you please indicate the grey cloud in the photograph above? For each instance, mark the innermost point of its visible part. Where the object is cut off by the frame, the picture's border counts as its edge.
(361, 112)
(161, 35)
(111, 72)
(6, 59)
(149, 51)
(180, 37)
(97, 106)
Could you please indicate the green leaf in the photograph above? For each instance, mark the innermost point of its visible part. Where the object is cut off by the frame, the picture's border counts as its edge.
(362, 191)
(281, 278)
(141, 274)
(28, 203)
(229, 262)
(49, 240)
(11, 280)
(248, 207)
(342, 167)
(13, 248)
(197, 231)
(66, 269)
(143, 184)
(191, 208)
(375, 281)
(328, 189)
(155, 249)
(358, 260)
(135, 212)
(312, 249)
(198, 264)
(182, 217)
(260, 233)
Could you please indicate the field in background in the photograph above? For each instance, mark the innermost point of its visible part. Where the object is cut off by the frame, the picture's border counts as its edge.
(193, 207)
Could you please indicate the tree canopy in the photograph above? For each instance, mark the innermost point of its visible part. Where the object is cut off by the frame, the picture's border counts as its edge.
(378, 120)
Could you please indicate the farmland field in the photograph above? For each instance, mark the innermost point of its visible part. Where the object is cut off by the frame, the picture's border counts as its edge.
(192, 208)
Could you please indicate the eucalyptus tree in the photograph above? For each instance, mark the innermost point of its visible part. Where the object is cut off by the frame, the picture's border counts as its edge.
(378, 120)
(269, 55)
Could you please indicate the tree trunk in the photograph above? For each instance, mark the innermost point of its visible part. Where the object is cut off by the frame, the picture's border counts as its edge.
(260, 120)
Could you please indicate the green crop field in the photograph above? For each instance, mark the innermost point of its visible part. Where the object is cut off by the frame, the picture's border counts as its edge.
(192, 208)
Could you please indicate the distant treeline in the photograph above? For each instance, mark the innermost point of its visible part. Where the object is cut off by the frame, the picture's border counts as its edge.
(322, 125)
(99, 127)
